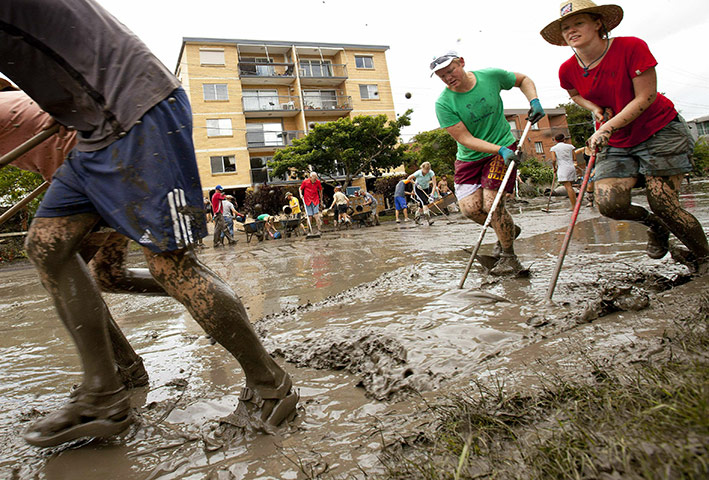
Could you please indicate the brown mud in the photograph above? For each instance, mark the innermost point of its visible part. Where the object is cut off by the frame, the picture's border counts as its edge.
(370, 325)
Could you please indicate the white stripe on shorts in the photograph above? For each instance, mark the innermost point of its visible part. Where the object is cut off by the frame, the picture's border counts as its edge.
(463, 190)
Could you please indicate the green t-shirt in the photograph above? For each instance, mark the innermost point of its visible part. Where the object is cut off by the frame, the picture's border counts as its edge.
(480, 109)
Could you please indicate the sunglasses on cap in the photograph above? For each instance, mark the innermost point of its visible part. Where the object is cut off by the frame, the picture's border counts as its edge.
(442, 59)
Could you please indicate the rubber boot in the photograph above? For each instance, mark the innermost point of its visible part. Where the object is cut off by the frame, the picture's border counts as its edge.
(497, 249)
(658, 237)
(508, 264)
(428, 218)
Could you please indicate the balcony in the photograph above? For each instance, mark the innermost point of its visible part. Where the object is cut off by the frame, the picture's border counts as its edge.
(266, 73)
(263, 105)
(326, 105)
(322, 74)
(266, 141)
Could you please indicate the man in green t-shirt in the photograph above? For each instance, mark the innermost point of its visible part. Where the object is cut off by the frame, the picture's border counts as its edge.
(471, 110)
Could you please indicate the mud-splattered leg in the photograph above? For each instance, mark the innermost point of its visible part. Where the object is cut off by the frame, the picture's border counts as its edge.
(108, 266)
(613, 200)
(663, 197)
(472, 207)
(218, 310)
(52, 245)
(501, 221)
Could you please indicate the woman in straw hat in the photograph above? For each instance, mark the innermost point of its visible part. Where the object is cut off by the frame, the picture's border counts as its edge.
(643, 134)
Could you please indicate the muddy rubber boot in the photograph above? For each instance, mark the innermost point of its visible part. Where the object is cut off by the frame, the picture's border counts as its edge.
(497, 249)
(428, 219)
(417, 218)
(658, 242)
(508, 264)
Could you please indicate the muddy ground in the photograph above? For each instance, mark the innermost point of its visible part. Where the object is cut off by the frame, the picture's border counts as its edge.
(371, 326)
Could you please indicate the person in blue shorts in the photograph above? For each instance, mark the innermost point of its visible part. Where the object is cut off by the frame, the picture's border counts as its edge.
(134, 169)
(400, 203)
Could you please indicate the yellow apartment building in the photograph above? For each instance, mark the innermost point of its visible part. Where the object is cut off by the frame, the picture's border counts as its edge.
(251, 97)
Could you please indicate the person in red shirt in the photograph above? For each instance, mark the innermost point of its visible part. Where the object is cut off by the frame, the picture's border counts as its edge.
(643, 134)
(220, 228)
(311, 194)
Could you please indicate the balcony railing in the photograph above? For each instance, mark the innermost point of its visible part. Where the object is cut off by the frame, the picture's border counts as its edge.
(323, 70)
(275, 139)
(265, 69)
(265, 102)
(337, 102)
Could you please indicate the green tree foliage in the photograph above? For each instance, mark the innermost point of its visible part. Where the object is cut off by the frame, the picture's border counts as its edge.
(16, 184)
(538, 172)
(436, 147)
(350, 146)
(701, 158)
(580, 123)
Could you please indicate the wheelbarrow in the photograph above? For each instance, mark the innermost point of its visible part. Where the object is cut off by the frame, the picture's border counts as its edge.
(254, 228)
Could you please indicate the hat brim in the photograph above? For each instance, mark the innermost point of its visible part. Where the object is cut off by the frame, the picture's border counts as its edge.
(612, 16)
(443, 65)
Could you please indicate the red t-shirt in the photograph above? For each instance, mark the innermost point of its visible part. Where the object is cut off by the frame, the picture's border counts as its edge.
(311, 191)
(610, 84)
(217, 201)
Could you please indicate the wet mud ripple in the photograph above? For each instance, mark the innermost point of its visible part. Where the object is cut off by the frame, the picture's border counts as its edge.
(378, 360)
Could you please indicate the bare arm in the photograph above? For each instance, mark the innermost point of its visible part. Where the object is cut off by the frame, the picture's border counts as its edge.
(524, 83)
(461, 135)
(586, 104)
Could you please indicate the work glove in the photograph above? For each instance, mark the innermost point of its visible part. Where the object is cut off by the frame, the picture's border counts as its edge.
(536, 112)
(508, 155)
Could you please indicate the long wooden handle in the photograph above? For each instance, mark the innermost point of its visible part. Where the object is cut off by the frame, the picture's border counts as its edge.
(28, 145)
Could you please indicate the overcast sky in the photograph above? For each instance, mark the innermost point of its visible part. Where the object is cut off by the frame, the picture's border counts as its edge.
(496, 33)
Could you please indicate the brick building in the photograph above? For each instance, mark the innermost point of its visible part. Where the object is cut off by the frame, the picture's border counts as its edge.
(541, 135)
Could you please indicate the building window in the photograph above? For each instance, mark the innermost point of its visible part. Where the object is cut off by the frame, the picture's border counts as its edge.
(219, 127)
(369, 92)
(261, 173)
(535, 126)
(265, 135)
(215, 91)
(362, 61)
(255, 100)
(316, 68)
(539, 147)
(211, 56)
(703, 128)
(223, 164)
(320, 99)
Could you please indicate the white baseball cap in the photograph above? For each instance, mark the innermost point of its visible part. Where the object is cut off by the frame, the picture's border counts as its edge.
(443, 61)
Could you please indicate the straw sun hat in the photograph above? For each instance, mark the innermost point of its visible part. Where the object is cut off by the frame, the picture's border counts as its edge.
(611, 17)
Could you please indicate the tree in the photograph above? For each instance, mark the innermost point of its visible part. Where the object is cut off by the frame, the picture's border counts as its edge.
(349, 146)
(436, 147)
(580, 123)
(16, 184)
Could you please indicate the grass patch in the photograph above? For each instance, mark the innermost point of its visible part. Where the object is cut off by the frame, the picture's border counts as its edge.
(647, 421)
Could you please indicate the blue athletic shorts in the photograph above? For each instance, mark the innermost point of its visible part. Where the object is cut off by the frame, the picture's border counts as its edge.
(400, 203)
(144, 185)
(312, 209)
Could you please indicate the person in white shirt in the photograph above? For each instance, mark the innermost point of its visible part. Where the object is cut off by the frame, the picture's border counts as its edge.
(562, 156)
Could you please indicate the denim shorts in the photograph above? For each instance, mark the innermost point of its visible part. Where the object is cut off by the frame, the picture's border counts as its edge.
(145, 185)
(666, 153)
(313, 209)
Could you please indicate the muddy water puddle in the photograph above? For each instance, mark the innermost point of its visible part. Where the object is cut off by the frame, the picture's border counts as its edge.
(369, 323)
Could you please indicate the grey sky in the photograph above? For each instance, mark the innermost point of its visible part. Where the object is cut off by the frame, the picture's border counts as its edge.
(501, 34)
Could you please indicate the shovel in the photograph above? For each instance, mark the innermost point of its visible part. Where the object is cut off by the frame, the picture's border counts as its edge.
(551, 192)
(495, 202)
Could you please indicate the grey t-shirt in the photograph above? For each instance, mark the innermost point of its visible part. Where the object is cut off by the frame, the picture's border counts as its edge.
(400, 189)
(82, 66)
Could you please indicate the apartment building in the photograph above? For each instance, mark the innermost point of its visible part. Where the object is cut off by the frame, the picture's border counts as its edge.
(252, 97)
(541, 135)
